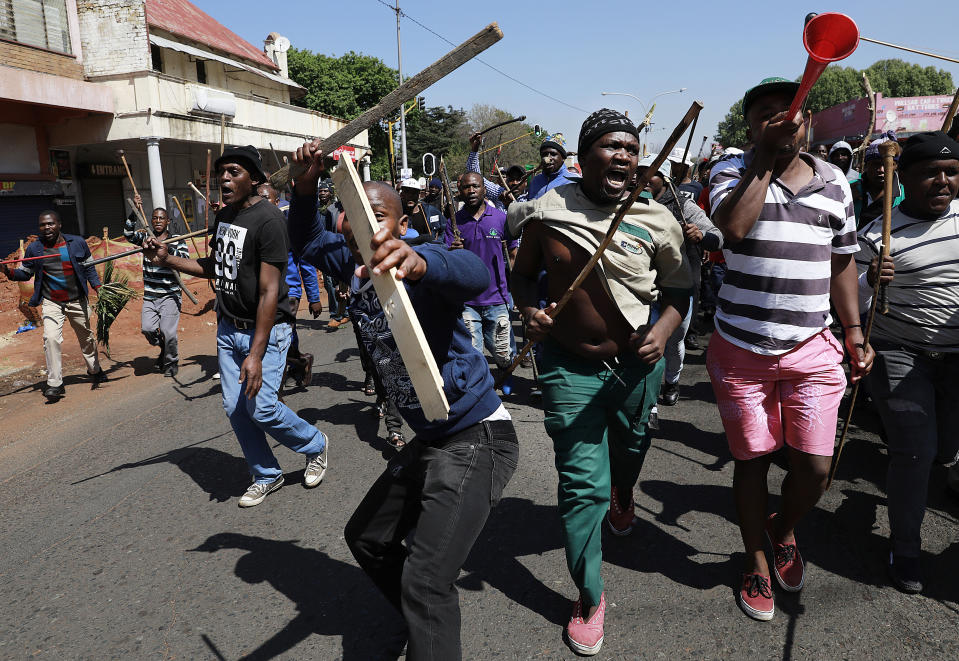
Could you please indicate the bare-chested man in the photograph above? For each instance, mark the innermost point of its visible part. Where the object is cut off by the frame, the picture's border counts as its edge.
(601, 364)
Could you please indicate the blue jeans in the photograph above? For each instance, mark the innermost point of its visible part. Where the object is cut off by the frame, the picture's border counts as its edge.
(490, 325)
(332, 302)
(252, 418)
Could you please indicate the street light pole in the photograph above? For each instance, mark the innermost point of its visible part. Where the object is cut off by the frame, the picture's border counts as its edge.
(399, 66)
(640, 102)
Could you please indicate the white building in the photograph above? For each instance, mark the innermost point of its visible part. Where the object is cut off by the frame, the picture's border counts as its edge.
(158, 79)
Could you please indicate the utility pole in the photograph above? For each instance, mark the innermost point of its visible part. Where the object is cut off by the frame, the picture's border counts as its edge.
(399, 62)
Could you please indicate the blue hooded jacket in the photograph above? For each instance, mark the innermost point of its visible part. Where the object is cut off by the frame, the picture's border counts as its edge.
(452, 278)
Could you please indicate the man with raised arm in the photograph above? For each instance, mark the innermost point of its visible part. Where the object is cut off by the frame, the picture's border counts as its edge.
(789, 235)
(602, 359)
(445, 481)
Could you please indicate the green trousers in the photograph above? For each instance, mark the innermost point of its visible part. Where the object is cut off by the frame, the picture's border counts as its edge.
(599, 432)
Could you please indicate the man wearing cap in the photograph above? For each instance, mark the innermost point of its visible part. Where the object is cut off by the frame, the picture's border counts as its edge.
(699, 233)
(423, 217)
(789, 237)
(253, 332)
(552, 153)
(433, 193)
(914, 384)
(601, 363)
(869, 189)
(840, 155)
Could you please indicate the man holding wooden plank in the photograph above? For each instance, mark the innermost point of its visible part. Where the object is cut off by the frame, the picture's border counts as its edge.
(602, 360)
(445, 481)
(253, 323)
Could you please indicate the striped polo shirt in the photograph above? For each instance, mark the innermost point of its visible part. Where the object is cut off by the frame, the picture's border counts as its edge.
(924, 294)
(158, 281)
(776, 292)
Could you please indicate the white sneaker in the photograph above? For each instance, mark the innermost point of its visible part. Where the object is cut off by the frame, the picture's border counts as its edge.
(316, 466)
(217, 376)
(258, 491)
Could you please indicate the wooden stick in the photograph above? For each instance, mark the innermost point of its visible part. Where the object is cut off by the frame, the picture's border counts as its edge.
(192, 240)
(450, 202)
(407, 332)
(808, 128)
(135, 251)
(953, 107)
(206, 208)
(689, 141)
(508, 121)
(677, 133)
(911, 50)
(176, 274)
(389, 103)
(888, 151)
(505, 184)
(132, 183)
(196, 190)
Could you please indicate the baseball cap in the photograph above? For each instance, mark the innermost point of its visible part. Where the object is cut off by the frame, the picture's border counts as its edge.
(410, 183)
(767, 86)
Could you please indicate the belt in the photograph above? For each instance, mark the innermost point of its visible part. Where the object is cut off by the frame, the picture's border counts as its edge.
(882, 345)
(239, 324)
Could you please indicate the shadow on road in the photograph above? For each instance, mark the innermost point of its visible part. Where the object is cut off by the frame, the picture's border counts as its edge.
(332, 598)
(361, 413)
(219, 474)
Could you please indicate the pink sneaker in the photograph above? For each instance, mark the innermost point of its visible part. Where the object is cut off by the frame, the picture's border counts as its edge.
(620, 519)
(586, 637)
(756, 597)
(789, 569)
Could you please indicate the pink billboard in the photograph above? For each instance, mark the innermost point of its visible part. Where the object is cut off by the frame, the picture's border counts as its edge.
(904, 115)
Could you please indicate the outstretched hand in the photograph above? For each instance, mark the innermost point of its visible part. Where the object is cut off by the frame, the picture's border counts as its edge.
(475, 141)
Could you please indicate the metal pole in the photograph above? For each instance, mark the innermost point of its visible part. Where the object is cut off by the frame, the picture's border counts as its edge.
(399, 63)
(156, 173)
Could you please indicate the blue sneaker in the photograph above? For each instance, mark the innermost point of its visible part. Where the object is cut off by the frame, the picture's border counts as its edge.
(507, 387)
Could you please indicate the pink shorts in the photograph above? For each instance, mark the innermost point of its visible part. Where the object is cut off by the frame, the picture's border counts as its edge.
(765, 401)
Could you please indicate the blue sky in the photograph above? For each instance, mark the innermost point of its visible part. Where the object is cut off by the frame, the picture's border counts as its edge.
(573, 51)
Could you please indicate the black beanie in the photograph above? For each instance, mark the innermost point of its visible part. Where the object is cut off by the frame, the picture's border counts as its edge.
(600, 123)
(246, 156)
(928, 146)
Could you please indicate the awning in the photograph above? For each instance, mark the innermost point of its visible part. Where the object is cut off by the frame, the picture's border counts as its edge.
(207, 55)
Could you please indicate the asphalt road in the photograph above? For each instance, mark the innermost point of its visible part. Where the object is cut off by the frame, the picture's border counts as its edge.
(122, 539)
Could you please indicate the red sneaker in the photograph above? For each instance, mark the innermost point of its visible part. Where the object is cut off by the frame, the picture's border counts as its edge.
(789, 569)
(756, 597)
(586, 637)
(620, 519)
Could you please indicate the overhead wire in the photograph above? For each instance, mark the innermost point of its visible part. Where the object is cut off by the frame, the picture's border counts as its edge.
(483, 62)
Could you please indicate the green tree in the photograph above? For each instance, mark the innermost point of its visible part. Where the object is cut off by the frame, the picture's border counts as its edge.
(437, 130)
(345, 87)
(835, 85)
(522, 144)
(731, 131)
(898, 78)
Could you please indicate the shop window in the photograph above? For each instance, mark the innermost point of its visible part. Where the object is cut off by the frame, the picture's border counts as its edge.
(41, 23)
(201, 72)
(156, 57)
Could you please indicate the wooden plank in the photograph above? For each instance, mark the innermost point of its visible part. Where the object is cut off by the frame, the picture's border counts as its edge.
(396, 304)
(463, 53)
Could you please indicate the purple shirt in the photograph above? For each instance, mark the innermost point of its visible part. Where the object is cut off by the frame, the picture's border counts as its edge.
(484, 237)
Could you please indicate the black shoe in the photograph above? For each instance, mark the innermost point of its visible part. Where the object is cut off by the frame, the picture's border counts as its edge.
(670, 394)
(54, 393)
(171, 370)
(905, 573)
(98, 377)
(692, 342)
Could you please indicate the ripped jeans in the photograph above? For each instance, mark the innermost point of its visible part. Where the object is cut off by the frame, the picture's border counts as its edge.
(490, 325)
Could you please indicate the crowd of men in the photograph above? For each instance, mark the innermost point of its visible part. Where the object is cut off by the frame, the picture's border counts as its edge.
(775, 248)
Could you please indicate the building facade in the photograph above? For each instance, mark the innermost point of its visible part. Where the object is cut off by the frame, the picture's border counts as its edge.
(163, 83)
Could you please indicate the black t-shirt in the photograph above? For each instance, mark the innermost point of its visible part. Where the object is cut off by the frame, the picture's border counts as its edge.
(241, 241)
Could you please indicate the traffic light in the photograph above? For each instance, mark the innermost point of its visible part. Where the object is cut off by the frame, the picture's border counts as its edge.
(421, 103)
(537, 129)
